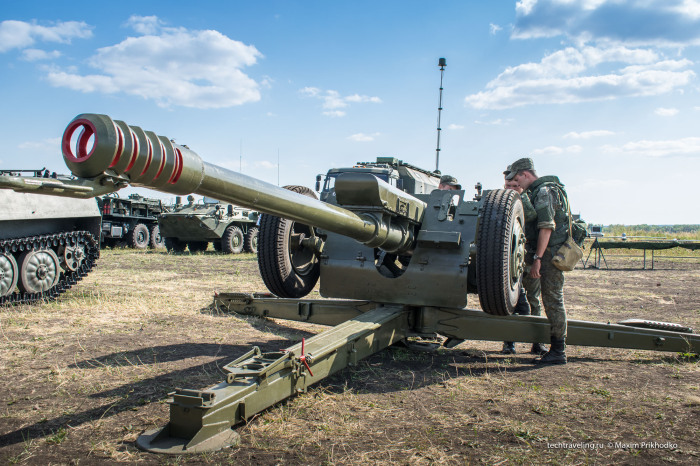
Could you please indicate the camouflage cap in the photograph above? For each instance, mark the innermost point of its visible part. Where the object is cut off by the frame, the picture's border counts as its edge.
(450, 181)
(518, 165)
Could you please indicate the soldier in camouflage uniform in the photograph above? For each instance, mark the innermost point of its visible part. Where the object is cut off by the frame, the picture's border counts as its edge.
(529, 299)
(544, 235)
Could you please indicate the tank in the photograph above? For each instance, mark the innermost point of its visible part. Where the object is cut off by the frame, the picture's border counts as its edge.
(47, 243)
(133, 220)
(194, 225)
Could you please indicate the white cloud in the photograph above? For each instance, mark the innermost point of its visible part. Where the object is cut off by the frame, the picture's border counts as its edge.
(649, 22)
(569, 76)
(36, 54)
(666, 112)
(144, 25)
(685, 146)
(455, 127)
(20, 34)
(333, 101)
(495, 122)
(588, 134)
(51, 144)
(200, 69)
(335, 113)
(494, 29)
(361, 137)
(556, 150)
(267, 165)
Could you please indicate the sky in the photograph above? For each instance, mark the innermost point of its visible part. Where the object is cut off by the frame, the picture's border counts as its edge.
(604, 94)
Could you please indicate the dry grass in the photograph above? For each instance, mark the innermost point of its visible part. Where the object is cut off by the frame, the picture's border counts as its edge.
(84, 376)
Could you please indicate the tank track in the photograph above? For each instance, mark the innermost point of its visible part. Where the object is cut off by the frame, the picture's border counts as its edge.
(67, 278)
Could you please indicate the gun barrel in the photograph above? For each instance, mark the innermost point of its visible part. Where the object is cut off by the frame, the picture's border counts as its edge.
(97, 147)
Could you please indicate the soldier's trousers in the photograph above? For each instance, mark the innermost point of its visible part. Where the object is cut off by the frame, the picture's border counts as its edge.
(550, 287)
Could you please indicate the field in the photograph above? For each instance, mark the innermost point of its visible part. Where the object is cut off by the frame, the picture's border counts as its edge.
(82, 377)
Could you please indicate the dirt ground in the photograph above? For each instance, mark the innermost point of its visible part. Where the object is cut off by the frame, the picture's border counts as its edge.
(82, 377)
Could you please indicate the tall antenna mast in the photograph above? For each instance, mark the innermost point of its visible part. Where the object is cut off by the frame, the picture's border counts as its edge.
(442, 63)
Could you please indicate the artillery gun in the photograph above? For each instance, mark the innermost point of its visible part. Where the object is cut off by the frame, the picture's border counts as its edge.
(47, 243)
(399, 265)
(231, 229)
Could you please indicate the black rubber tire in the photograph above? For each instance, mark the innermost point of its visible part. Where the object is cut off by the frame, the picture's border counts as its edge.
(156, 241)
(139, 237)
(232, 240)
(197, 246)
(251, 240)
(286, 274)
(500, 251)
(174, 245)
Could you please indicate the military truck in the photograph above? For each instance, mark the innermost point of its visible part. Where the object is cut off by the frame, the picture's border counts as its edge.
(194, 225)
(47, 243)
(133, 219)
(404, 176)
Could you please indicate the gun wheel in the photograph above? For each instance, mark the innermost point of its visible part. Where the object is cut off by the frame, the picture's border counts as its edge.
(500, 251)
(288, 268)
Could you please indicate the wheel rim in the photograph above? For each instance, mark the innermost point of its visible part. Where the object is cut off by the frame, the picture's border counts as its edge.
(8, 274)
(72, 257)
(254, 242)
(141, 237)
(236, 241)
(517, 254)
(301, 257)
(39, 271)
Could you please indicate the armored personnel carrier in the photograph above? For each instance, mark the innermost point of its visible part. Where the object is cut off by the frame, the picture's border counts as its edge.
(47, 243)
(134, 219)
(194, 225)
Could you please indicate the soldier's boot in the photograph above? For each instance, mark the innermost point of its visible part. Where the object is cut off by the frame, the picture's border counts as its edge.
(522, 307)
(556, 353)
(508, 347)
(538, 348)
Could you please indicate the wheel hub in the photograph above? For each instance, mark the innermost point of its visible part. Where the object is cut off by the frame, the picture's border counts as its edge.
(517, 257)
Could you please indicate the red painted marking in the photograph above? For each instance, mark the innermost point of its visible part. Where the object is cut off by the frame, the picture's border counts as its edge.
(120, 146)
(162, 159)
(135, 152)
(150, 156)
(178, 167)
(88, 130)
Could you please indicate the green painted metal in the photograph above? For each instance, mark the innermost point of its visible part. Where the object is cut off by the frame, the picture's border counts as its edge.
(202, 420)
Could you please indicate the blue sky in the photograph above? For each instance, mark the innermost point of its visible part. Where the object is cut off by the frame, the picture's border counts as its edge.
(603, 93)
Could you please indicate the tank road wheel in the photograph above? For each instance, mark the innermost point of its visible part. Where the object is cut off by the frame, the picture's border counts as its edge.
(251, 240)
(174, 244)
(8, 274)
(156, 241)
(500, 251)
(39, 271)
(232, 240)
(138, 237)
(288, 268)
(197, 246)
